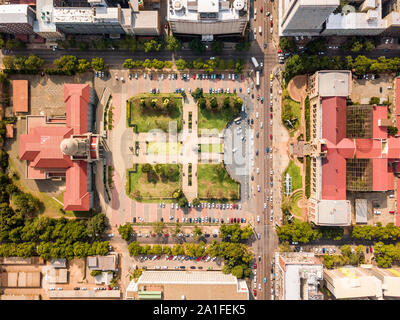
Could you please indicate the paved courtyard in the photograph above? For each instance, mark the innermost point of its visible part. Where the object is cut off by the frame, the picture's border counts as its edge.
(121, 208)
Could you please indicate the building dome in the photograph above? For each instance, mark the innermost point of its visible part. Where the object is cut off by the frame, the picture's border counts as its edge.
(69, 146)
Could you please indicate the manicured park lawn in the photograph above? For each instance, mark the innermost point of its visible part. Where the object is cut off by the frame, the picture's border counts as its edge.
(148, 190)
(163, 148)
(214, 182)
(215, 148)
(294, 208)
(147, 118)
(209, 119)
(294, 172)
(291, 107)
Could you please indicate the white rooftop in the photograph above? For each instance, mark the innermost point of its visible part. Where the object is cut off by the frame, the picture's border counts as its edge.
(187, 277)
(14, 13)
(334, 212)
(334, 83)
(190, 10)
(207, 6)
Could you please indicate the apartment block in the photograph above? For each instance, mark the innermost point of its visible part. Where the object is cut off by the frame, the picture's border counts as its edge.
(298, 275)
(208, 18)
(304, 17)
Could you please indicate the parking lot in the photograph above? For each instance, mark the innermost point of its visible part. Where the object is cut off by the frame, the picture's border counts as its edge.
(181, 262)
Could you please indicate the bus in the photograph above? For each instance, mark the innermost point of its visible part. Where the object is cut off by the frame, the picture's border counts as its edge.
(254, 60)
(257, 78)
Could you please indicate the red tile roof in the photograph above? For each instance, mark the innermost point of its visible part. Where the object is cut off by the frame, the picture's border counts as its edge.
(41, 148)
(340, 148)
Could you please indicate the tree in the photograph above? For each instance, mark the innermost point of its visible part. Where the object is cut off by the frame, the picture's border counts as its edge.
(33, 63)
(158, 227)
(135, 249)
(168, 64)
(125, 231)
(156, 249)
(129, 43)
(173, 44)
(83, 45)
(296, 231)
(182, 201)
(67, 64)
(97, 225)
(128, 64)
(226, 102)
(26, 204)
(346, 250)
(217, 46)
(195, 202)
(152, 45)
(197, 46)
(374, 100)
(242, 46)
(197, 232)
(197, 94)
(98, 64)
(198, 63)
(356, 47)
(368, 45)
(287, 44)
(83, 65)
(2, 43)
(14, 44)
(146, 167)
(95, 273)
(237, 271)
(180, 64)
(213, 102)
(392, 130)
(201, 103)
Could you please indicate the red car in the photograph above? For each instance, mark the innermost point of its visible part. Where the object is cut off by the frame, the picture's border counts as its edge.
(255, 292)
(233, 206)
(270, 136)
(166, 26)
(270, 115)
(170, 257)
(158, 258)
(255, 266)
(231, 220)
(371, 249)
(261, 9)
(153, 234)
(204, 258)
(166, 235)
(271, 24)
(258, 97)
(279, 51)
(198, 259)
(194, 77)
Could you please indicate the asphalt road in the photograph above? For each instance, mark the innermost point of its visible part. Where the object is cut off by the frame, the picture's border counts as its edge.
(266, 246)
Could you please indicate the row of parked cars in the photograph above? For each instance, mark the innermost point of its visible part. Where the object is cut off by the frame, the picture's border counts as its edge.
(203, 205)
(207, 220)
(176, 258)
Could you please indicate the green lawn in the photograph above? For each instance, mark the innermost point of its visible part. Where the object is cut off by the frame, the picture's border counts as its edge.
(216, 148)
(137, 181)
(294, 208)
(163, 148)
(148, 118)
(216, 119)
(290, 110)
(214, 182)
(294, 172)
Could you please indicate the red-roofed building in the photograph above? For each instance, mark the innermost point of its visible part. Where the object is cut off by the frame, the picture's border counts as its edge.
(351, 150)
(56, 148)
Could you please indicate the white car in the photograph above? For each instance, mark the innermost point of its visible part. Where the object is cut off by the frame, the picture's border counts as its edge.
(265, 205)
(267, 13)
(259, 286)
(259, 30)
(229, 76)
(271, 172)
(270, 18)
(255, 285)
(261, 125)
(270, 155)
(271, 30)
(271, 218)
(258, 218)
(258, 170)
(258, 188)
(256, 115)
